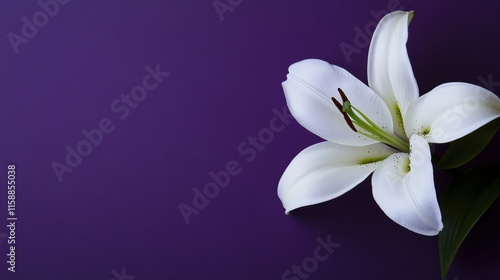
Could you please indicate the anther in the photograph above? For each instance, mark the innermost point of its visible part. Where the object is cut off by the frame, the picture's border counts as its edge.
(342, 95)
(346, 117)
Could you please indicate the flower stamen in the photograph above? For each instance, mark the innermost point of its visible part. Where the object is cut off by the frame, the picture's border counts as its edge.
(346, 117)
(372, 130)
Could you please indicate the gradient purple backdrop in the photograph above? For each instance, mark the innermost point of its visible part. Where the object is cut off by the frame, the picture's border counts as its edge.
(119, 207)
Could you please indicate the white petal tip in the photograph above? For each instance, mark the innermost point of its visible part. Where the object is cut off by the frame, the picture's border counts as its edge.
(411, 14)
(432, 232)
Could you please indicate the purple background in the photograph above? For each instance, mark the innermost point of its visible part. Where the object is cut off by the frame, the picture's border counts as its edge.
(119, 207)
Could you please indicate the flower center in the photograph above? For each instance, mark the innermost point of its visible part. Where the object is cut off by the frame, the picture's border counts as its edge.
(367, 127)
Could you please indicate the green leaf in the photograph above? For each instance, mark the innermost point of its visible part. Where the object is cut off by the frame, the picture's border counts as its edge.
(463, 203)
(468, 147)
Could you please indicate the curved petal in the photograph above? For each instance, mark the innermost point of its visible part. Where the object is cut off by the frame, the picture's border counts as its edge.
(390, 73)
(451, 111)
(309, 87)
(403, 187)
(327, 170)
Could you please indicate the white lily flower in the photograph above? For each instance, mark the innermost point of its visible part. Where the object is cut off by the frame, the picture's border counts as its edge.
(384, 128)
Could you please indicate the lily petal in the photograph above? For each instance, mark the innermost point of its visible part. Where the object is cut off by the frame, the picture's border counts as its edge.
(403, 187)
(451, 111)
(309, 87)
(390, 73)
(327, 170)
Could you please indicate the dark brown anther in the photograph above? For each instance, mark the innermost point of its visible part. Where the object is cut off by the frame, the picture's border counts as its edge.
(346, 116)
(342, 95)
(339, 106)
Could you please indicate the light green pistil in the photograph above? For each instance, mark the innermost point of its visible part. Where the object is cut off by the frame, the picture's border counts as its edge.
(371, 130)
